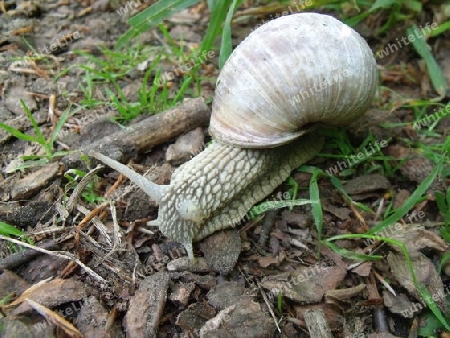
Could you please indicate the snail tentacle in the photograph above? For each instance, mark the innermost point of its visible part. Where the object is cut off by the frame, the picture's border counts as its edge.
(155, 191)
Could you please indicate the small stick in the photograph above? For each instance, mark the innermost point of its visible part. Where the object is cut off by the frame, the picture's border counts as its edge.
(61, 254)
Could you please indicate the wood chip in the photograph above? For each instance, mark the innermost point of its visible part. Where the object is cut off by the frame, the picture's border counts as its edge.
(426, 274)
(365, 184)
(49, 293)
(317, 324)
(146, 306)
(34, 182)
(306, 284)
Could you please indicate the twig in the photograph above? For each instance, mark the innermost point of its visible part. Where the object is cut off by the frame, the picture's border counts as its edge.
(385, 284)
(269, 306)
(268, 223)
(86, 220)
(80, 187)
(24, 256)
(61, 254)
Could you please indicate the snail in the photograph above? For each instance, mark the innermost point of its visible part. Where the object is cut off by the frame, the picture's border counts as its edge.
(278, 86)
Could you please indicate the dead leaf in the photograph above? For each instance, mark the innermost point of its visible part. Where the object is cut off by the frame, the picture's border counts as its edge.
(332, 313)
(363, 269)
(344, 294)
(305, 284)
(416, 238)
(266, 261)
(399, 304)
(426, 274)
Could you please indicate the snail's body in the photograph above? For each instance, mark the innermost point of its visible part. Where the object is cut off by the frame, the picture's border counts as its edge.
(218, 187)
(223, 183)
(273, 88)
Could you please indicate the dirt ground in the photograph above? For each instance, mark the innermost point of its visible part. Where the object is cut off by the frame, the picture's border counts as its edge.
(100, 271)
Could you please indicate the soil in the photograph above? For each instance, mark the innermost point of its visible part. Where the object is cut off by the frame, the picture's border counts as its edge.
(100, 271)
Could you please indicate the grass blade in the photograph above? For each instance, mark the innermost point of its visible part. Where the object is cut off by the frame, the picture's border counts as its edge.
(215, 24)
(62, 119)
(350, 254)
(437, 77)
(440, 29)
(226, 46)
(316, 206)
(18, 134)
(337, 184)
(410, 202)
(7, 230)
(41, 138)
(377, 5)
(152, 16)
(272, 205)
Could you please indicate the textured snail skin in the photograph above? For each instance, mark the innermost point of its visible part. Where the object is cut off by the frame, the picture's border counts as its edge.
(223, 182)
(260, 124)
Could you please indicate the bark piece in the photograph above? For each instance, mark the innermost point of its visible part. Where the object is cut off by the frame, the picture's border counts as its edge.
(10, 282)
(242, 319)
(20, 123)
(28, 215)
(417, 168)
(332, 313)
(205, 282)
(12, 328)
(317, 324)
(363, 269)
(34, 182)
(305, 284)
(226, 294)
(192, 319)
(181, 293)
(12, 100)
(50, 294)
(366, 184)
(426, 274)
(56, 318)
(344, 294)
(43, 266)
(416, 238)
(185, 264)
(399, 304)
(146, 306)
(92, 321)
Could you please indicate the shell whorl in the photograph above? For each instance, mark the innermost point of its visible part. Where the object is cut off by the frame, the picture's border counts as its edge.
(292, 72)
